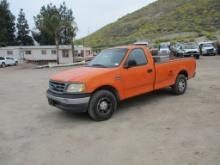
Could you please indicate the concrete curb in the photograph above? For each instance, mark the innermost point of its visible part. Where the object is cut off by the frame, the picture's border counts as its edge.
(51, 65)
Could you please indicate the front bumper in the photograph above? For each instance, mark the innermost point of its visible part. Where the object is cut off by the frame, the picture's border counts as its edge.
(69, 102)
(191, 54)
(209, 52)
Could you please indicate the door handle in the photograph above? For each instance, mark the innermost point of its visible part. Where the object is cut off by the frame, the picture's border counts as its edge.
(149, 70)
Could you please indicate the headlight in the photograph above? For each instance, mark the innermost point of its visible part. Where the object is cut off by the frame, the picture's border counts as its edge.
(76, 88)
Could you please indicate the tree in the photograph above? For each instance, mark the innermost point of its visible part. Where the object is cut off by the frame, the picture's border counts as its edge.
(41, 34)
(23, 30)
(7, 25)
(55, 26)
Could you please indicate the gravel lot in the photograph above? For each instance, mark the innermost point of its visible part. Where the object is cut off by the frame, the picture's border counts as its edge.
(154, 129)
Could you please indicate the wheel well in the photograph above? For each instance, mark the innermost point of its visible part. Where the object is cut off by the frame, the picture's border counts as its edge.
(184, 73)
(111, 89)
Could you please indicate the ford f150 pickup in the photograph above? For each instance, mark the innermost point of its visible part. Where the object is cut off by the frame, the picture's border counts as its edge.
(115, 75)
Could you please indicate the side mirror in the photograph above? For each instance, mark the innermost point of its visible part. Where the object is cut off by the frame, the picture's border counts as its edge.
(130, 64)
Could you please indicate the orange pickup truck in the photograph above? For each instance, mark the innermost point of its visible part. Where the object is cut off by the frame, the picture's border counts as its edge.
(114, 75)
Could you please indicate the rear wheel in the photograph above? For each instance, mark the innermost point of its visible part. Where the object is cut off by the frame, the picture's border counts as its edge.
(3, 65)
(102, 105)
(180, 85)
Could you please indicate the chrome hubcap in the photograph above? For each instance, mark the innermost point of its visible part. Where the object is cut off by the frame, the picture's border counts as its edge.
(182, 85)
(104, 106)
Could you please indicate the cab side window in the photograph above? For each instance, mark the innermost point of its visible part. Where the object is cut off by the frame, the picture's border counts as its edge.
(138, 56)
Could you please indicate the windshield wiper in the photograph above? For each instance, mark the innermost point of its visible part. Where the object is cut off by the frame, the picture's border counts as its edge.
(98, 65)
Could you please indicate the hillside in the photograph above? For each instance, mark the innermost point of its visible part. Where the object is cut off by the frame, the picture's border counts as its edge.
(161, 21)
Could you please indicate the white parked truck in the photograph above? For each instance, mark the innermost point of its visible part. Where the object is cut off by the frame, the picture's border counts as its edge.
(164, 49)
(207, 48)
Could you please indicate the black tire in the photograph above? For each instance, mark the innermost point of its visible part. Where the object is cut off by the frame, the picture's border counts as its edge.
(3, 65)
(102, 105)
(16, 63)
(180, 55)
(180, 85)
(197, 57)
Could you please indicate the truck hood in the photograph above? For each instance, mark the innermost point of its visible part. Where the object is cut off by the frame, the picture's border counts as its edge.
(81, 74)
(207, 48)
(164, 49)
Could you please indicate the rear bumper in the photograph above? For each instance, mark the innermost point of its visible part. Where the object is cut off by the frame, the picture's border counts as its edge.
(67, 102)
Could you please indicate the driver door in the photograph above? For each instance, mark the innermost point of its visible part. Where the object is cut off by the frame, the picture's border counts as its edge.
(138, 78)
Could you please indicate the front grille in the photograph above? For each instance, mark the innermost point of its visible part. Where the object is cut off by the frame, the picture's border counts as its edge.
(210, 50)
(56, 86)
(164, 52)
(192, 52)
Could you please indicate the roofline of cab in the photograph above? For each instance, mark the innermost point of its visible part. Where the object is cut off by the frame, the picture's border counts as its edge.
(130, 46)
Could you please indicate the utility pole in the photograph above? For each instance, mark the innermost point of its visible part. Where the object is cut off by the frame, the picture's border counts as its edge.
(73, 49)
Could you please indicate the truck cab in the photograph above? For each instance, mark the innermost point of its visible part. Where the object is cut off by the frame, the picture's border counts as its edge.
(114, 75)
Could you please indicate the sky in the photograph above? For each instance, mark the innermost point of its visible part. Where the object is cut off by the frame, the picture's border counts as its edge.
(90, 15)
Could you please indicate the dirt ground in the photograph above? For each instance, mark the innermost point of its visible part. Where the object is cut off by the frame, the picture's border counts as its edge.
(155, 129)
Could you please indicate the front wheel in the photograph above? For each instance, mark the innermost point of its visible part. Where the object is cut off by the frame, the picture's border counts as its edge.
(102, 105)
(197, 57)
(180, 85)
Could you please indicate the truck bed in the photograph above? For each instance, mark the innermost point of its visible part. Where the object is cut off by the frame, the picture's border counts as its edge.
(165, 59)
(166, 69)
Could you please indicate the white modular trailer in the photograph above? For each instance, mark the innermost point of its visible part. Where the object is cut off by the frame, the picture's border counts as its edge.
(11, 51)
(47, 53)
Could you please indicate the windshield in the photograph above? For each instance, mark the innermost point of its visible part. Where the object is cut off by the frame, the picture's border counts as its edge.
(190, 46)
(207, 45)
(109, 58)
(164, 47)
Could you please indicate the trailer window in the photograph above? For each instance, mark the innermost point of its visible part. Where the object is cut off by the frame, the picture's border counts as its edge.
(28, 52)
(43, 52)
(65, 54)
(9, 52)
(53, 52)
